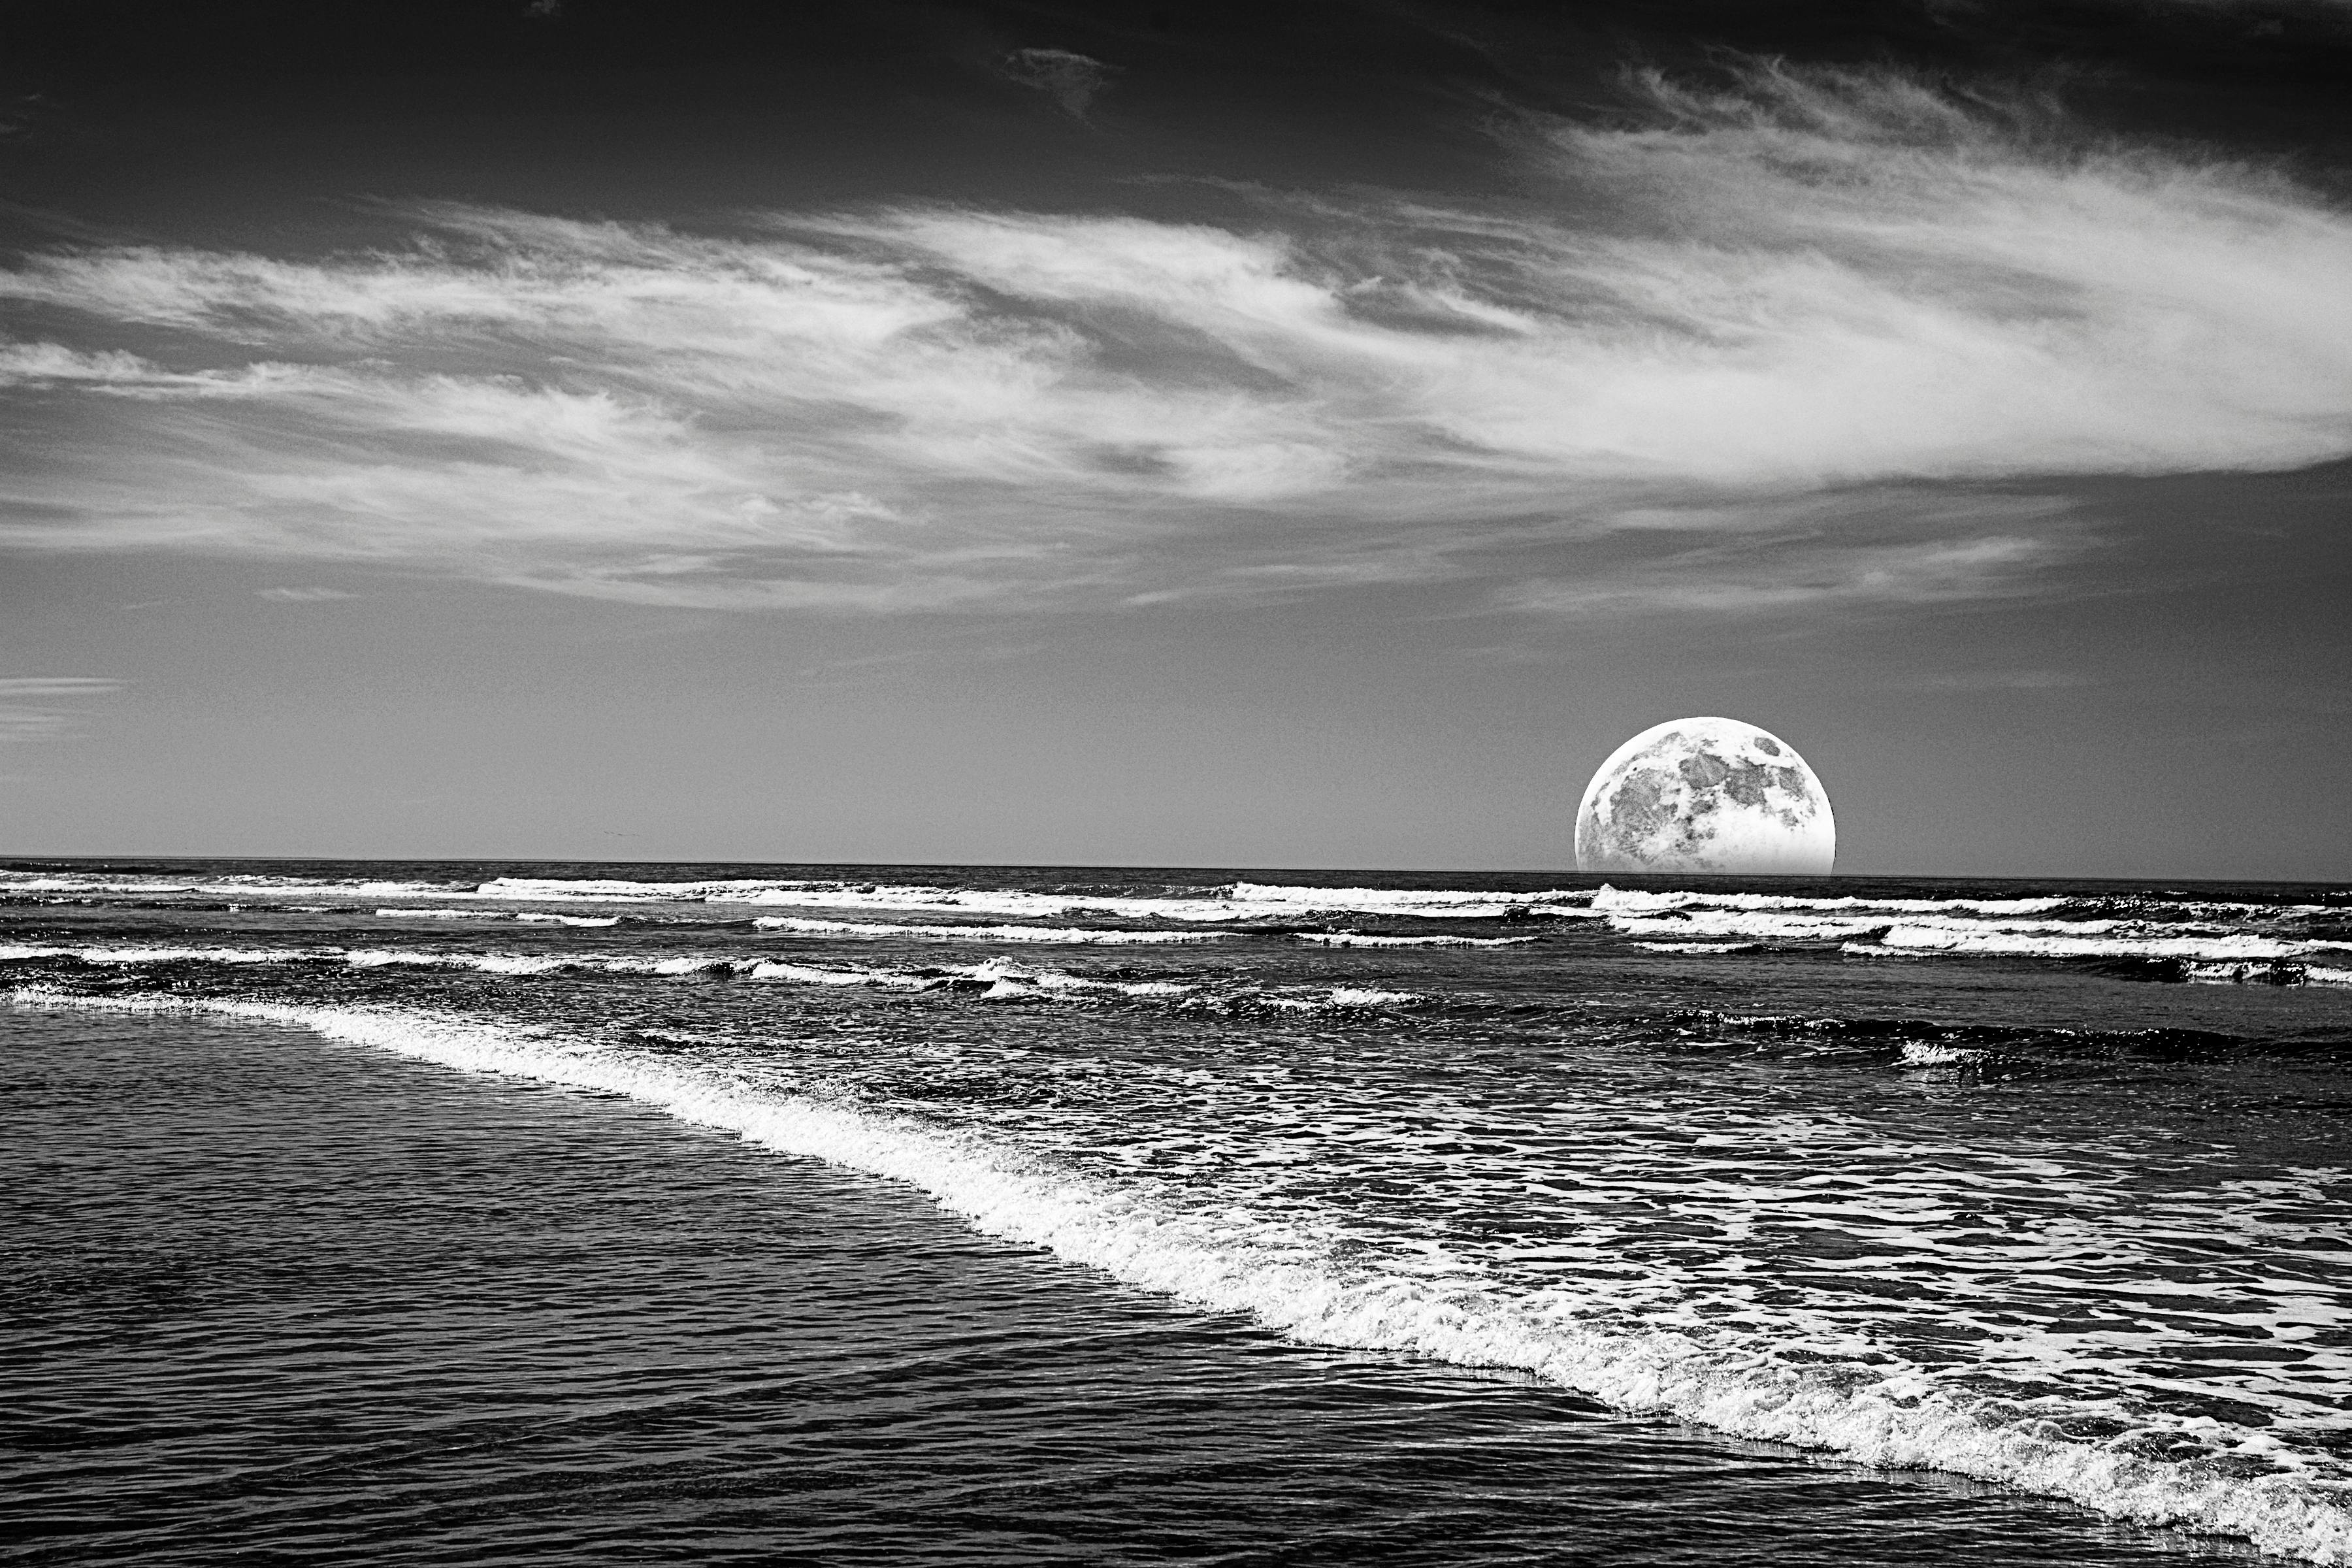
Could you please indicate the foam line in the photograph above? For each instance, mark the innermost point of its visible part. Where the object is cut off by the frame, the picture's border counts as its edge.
(1814, 927)
(1068, 936)
(991, 980)
(2036, 945)
(2023, 945)
(1140, 1232)
(1232, 901)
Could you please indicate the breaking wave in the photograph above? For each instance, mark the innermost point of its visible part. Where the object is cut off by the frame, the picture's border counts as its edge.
(1356, 939)
(2168, 935)
(991, 980)
(1285, 1271)
(1614, 901)
(2211, 947)
(1059, 935)
(1223, 903)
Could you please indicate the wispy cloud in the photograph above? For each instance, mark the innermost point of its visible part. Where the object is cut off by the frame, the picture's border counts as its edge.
(302, 596)
(1724, 582)
(1812, 284)
(1070, 79)
(1998, 681)
(41, 707)
(1896, 546)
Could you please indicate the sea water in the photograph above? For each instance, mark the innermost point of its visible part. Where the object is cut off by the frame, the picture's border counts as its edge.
(478, 1212)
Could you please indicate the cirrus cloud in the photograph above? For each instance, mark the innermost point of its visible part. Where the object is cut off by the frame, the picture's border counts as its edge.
(43, 706)
(1811, 283)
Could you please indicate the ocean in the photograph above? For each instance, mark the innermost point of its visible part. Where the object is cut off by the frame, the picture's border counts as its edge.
(486, 1213)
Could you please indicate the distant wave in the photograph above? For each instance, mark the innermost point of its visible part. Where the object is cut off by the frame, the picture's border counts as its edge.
(2012, 944)
(528, 917)
(19, 953)
(2140, 944)
(2148, 928)
(1614, 901)
(994, 980)
(1777, 926)
(1699, 946)
(1062, 935)
(1235, 901)
(2049, 927)
(254, 885)
(1354, 939)
(1278, 1269)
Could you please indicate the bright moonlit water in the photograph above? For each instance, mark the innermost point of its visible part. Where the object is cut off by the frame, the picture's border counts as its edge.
(476, 1213)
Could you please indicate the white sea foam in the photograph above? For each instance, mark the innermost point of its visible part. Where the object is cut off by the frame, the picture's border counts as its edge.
(2262, 972)
(375, 958)
(1615, 901)
(1929, 1053)
(405, 912)
(1434, 903)
(817, 974)
(1782, 926)
(994, 978)
(1002, 903)
(1280, 1270)
(239, 886)
(480, 962)
(18, 883)
(1996, 927)
(142, 954)
(2029, 944)
(1235, 901)
(1068, 936)
(1340, 997)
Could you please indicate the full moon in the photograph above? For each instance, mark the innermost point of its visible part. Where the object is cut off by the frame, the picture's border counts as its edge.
(1707, 794)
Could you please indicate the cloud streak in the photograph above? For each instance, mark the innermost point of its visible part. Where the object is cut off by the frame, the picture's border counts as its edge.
(41, 707)
(1808, 283)
(1071, 79)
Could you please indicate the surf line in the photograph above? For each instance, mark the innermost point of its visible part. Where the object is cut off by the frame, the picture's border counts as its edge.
(1136, 1233)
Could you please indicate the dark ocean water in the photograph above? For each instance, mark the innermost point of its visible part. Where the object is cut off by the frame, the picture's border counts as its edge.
(954, 1214)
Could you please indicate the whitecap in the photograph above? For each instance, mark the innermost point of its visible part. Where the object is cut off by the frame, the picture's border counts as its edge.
(1929, 1053)
(1067, 936)
(1626, 901)
(2025, 944)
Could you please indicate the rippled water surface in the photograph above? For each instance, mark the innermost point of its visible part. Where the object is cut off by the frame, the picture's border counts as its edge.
(872, 1213)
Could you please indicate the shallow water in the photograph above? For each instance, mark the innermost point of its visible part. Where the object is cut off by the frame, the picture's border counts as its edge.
(1552, 1222)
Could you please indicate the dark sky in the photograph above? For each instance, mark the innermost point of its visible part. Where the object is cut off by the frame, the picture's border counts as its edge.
(1277, 436)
